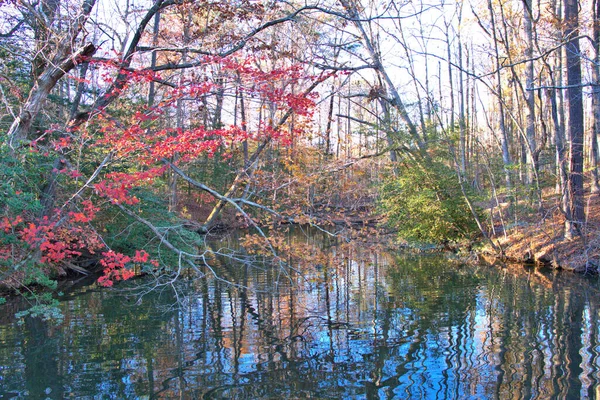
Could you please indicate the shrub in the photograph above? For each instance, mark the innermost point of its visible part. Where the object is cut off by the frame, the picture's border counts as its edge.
(425, 204)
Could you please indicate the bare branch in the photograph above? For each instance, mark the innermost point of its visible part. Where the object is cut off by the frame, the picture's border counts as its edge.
(12, 30)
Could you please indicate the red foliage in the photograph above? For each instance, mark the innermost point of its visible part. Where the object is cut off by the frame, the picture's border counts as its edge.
(68, 235)
(114, 268)
(141, 256)
(60, 239)
(275, 85)
(63, 241)
(62, 143)
(88, 214)
(7, 225)
(116, 186)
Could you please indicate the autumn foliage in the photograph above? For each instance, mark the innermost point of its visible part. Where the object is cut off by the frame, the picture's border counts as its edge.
(137, 147)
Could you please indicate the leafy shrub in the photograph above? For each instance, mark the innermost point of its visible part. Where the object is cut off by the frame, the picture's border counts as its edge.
(425, 204)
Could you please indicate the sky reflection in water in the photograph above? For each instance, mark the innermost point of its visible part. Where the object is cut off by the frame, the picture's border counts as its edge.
(385, 326)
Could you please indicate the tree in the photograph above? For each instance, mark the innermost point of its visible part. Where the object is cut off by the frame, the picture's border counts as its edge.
(574, 221)
(531, 153)
(352, 14)
(499, 93)
(596, 95)
(111, 155)
(62, 57)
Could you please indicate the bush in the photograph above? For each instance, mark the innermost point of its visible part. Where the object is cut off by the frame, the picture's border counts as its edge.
(425, 204)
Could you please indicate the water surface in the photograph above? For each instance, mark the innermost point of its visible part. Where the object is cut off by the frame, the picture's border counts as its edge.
(368, 324)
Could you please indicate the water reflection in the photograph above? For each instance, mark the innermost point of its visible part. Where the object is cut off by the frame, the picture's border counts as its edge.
(363, 324)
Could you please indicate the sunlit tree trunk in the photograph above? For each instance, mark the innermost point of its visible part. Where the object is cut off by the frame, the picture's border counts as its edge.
(499, 94)
(561, 159)
(462, 140)
(530, 94)
(329, 121)
(375, 54)
(461, 110)
(450, 75)
(596, 96)
(220, 93)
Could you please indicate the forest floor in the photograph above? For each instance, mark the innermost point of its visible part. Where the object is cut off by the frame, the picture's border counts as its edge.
(538, 237)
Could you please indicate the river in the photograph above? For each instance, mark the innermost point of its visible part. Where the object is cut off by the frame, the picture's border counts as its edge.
(373, 324)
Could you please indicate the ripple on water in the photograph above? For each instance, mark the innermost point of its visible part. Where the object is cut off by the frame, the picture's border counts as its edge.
(401, 327)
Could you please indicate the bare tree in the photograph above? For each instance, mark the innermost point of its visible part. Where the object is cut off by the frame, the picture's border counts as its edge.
(596, 95)
(531, 154)
(68, 50)
(499, 92)
(574, 222)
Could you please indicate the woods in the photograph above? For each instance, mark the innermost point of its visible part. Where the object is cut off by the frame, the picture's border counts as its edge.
(132, 130)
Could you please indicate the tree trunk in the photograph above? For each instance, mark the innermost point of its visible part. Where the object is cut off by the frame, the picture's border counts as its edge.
(450, 77)
(155, 31)
(387, 121)
(38, 95)
(561, 159)
(220, 93)
(530, 94)
(574, 221)
(596, 96)
(80, 89)
(503, 130)
(374, 54)
(244, 126)
(461, 109)
(329, 122)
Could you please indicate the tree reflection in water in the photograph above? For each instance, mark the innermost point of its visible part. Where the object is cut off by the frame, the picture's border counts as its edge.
(357, 324)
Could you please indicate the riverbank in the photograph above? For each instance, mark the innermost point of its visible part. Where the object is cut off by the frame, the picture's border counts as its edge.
(539, 238)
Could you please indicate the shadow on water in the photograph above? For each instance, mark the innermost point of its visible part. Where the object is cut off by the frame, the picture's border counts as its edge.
(360, 324)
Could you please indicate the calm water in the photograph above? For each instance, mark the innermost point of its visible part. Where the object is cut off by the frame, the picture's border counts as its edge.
(363, 325)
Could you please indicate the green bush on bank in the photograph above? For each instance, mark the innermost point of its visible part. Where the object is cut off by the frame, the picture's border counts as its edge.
(425, 204)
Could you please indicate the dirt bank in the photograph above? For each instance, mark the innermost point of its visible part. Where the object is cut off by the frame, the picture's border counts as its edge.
(539, 238)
